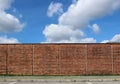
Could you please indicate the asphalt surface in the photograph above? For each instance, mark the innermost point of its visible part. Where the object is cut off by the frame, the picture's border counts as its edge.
(118, 82)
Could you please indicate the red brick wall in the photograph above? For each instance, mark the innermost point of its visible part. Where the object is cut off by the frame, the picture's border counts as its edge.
(3, 53)
(72, 59)
(116, 59)
(99, 60)
(19, 59)
(46, 60)
(59, 59)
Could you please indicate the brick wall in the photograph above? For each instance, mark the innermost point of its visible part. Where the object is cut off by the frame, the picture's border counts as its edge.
(72, 59)
(116, 59)
(3, 59)
(59, 59)
(99, 59)
(19, 59)
(46, 60)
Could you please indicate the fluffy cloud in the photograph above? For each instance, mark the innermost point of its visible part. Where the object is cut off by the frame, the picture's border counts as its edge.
(54, 8)
(5, 4)
(5, 39)
(81, 13)
(95, 28)
(116, 38)
(88, 40)
(61, 33)
(8, 22)
(77, 17)
(65, 34)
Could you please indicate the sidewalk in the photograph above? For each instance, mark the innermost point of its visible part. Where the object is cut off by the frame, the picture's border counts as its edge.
(60, 78)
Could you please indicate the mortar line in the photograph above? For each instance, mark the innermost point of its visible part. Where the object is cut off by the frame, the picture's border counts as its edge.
(112, 57)
(59, 59)
(33, 59)
(86, 57)
(7, 59)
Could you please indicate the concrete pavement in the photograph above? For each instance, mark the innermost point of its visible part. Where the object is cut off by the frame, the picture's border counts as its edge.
(117, 82)
(59, 78)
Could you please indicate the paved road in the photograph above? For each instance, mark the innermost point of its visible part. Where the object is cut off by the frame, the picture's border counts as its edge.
(60, 82)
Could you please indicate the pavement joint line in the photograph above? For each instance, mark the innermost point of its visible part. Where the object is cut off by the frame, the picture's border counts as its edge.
(12, 82)
(89, 83)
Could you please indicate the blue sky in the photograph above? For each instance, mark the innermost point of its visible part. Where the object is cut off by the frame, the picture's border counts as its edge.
(59, 21)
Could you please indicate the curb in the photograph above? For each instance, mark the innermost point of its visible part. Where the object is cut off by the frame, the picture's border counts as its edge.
(58, 80)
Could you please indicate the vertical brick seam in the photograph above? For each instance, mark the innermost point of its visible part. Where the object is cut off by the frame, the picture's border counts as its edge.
(59, 67)
(112, 58)
(32, 59)
(86, 58)
(7, 59)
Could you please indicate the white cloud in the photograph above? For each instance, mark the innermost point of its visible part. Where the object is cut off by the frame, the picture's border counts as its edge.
(81, 13)
(88, 40)
(95, 28)
(8, 22)
(105, 41)
(64, 34)
(77, 17)
(5, 4)
(116, 38)
(54, 8)
(5, 39)
(60, 33)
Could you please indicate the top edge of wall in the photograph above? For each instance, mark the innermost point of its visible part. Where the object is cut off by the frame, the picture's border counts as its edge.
(54, 43)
